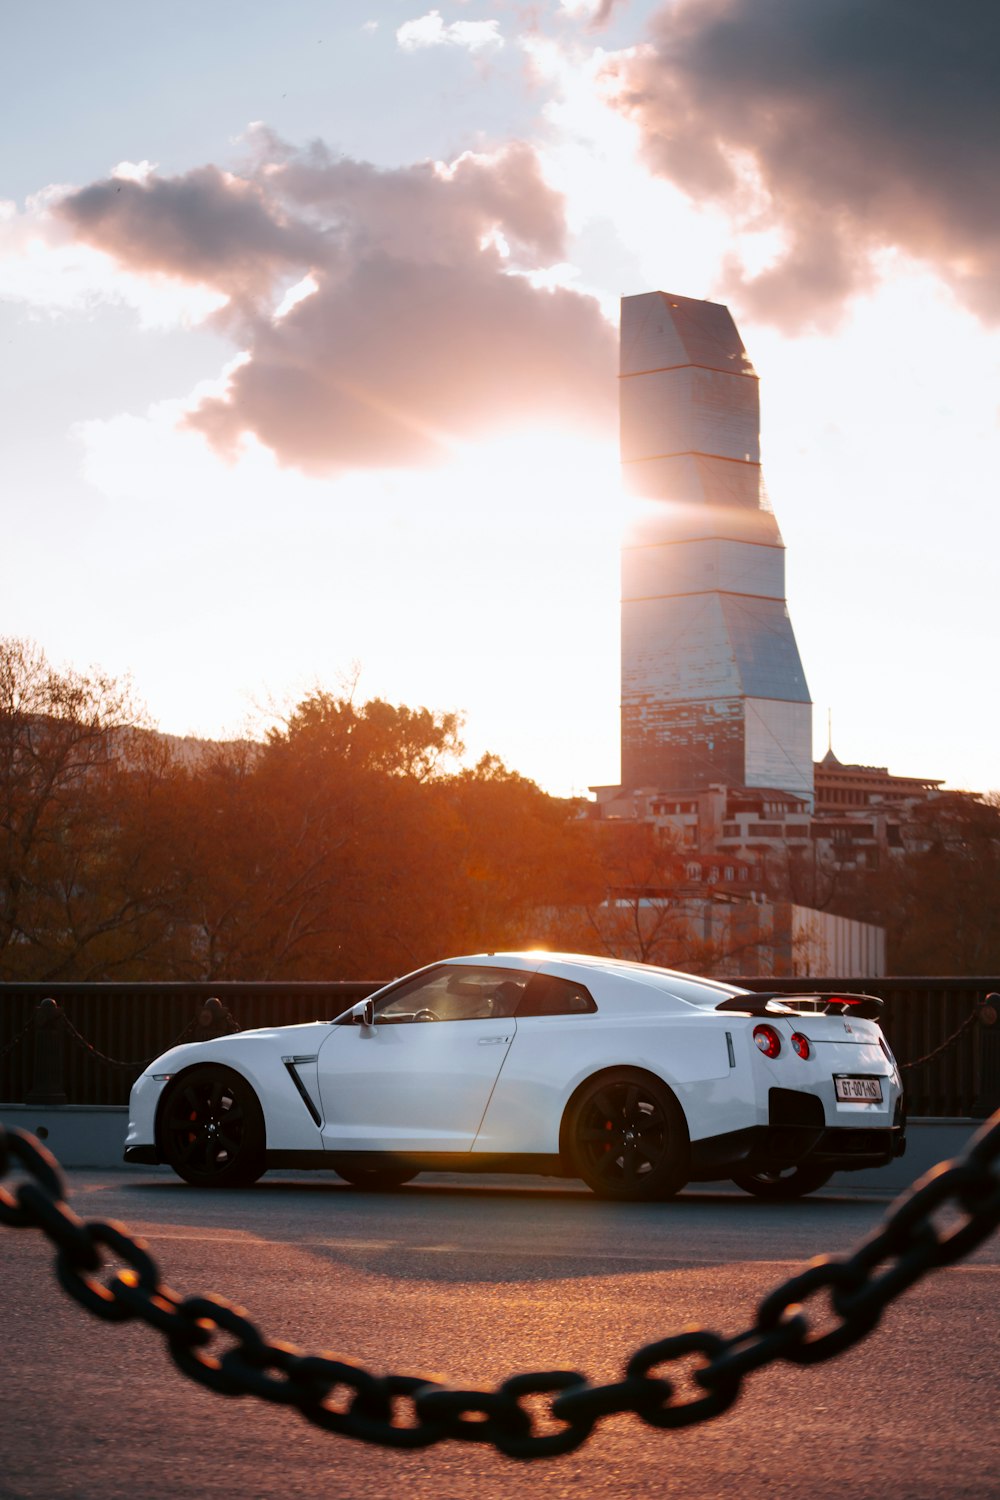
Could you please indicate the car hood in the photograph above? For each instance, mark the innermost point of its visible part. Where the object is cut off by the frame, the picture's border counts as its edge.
(304, 1038)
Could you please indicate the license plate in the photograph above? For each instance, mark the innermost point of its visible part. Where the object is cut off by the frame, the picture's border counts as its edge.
(858, 1090)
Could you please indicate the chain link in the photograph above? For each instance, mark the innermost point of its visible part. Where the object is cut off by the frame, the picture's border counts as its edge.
(113, 1062)
(219, 1346)
(970, 1020)
(8, 1047)
(80, 1041)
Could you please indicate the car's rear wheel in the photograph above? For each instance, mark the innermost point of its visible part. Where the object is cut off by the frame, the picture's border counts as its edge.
(792, 1182)
(374, 1179)
(628, 1138)
(212, 1129)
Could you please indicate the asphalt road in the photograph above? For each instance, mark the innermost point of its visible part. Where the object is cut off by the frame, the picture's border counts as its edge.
(474, 1279)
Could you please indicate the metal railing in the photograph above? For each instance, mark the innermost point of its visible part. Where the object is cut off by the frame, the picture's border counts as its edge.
(125, 1025)
(90, 1046)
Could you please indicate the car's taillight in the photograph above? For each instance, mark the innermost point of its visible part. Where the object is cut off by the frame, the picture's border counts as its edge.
(889, 1057)
(768, 1040)
(801, 1044)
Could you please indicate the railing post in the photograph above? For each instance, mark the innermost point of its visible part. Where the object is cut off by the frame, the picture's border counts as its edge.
(988, 1095)
(47, 1084)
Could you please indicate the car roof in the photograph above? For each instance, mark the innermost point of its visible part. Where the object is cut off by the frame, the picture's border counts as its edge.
(672, 981)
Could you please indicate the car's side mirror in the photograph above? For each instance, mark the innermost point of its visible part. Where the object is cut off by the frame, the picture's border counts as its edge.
(363, 1014)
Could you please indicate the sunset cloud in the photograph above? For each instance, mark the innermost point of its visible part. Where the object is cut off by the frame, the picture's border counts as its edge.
(852, 128)
(386, 316)
(596, 12)
(44, 266)
(206, 226)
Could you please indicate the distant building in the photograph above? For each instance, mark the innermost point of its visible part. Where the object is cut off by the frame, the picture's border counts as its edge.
(774, 831)
(716, 719)
(722, 930)
(841, 788)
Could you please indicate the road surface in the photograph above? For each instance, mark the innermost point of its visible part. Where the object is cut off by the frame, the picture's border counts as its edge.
(473, 1280)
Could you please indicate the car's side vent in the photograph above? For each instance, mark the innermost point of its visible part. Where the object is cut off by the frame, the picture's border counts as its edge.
(290, 1068)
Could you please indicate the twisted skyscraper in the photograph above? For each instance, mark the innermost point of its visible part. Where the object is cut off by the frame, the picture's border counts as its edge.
(713, 690)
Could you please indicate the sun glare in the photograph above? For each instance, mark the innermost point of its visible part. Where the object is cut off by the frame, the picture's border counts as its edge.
(547, 478)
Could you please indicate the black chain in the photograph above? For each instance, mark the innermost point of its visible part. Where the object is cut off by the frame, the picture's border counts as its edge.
(15, 1041)
(959, 1031)
(115, 1062)
(219, 1346)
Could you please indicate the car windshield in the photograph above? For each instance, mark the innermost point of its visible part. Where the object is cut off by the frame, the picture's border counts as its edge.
(459, 992)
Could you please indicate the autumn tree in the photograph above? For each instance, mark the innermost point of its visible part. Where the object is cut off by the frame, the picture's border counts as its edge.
(519, 860)
(313, 855)
(74, 901)
(647, 910)
(376, 737)
(637, 873)
(940, 905)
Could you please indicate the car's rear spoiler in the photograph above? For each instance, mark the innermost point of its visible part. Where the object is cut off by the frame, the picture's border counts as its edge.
(772, 1004)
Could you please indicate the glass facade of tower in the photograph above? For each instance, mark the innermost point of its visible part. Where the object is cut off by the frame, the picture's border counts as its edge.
(713, 689)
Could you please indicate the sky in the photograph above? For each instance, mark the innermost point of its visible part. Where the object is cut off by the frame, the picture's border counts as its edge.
(308, 319)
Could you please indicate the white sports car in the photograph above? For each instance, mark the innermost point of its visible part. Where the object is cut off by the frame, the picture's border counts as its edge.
(635, 1078)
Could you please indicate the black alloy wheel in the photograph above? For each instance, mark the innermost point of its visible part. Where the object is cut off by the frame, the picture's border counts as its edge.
(790, 1182)
(629, 1138)
(212, 1129)
(374, 1179)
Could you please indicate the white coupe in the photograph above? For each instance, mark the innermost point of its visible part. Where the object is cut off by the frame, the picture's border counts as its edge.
(634, 1078)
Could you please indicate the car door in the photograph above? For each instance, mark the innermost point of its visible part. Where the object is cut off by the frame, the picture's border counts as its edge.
(420, 1077)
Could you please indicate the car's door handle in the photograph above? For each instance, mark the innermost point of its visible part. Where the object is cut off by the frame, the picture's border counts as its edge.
(492, 1041)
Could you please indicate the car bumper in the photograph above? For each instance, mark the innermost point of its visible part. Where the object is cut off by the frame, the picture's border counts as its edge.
(145, 1156)
(773, 1148)
(797, 1132)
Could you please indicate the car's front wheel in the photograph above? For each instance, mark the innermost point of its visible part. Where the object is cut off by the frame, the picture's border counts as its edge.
(212, 1129)
(628, 1137)
(792, 1182)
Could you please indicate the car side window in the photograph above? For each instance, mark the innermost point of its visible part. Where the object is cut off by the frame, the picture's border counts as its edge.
(455, 992)
(545, 995)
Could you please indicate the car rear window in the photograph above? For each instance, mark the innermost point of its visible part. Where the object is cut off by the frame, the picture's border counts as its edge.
(546, 995)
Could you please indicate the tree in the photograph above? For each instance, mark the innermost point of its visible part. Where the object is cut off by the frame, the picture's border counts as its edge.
(519, 858)
(648, 911)
(315, 855)
(72, 744)
(377, 736)
(941, 907)
(633, 911)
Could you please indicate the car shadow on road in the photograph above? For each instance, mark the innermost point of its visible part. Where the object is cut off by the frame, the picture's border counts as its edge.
(444, 1186)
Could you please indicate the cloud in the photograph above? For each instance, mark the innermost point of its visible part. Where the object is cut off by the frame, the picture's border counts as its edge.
(45, 268)
(207, 226)
(854, 128)
(386, 316)
(596, 12)
(432, 31)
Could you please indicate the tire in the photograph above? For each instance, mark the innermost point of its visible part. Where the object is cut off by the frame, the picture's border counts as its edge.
(791, 1182)
(211, 1129)
(628, 1138)
(375, 1179)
